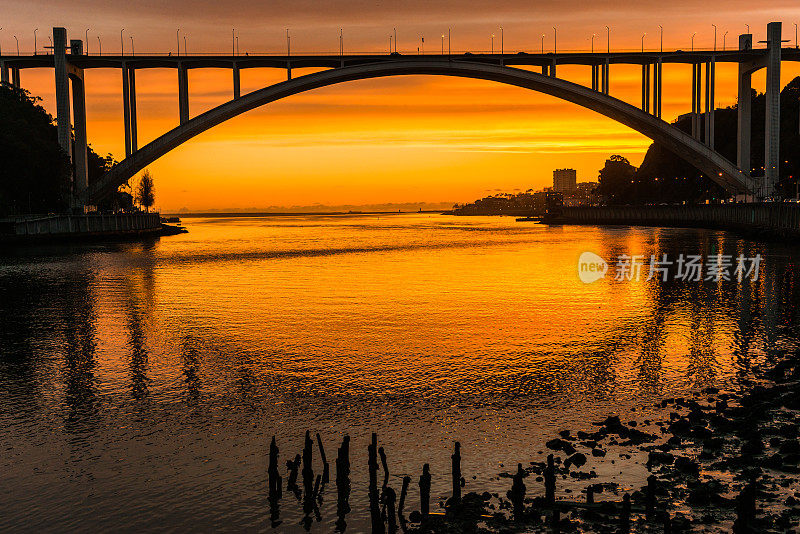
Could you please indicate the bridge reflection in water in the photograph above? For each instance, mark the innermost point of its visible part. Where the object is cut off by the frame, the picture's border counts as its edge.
(151, 377)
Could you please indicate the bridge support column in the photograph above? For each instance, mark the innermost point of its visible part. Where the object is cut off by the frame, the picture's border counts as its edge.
(62, 89)
(657, 86)
(744, 110)
(15, 81)
(236, 81)
(646, 87)
(709, 115)
(288, 70)
(595, 77)
(553, 68)
(772, 126)
(606, 75)
(183, 93)
(126, 107)
(133, 124)
(697, 81)
(3, 72)
(81, 179)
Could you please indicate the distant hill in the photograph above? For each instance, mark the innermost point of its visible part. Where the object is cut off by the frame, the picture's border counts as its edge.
(665, 177)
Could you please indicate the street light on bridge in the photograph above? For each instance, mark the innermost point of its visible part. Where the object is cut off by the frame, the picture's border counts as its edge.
(715, 37)
(17, 40)
(542, 43)
(233, 41)
(185, 53)
(86, 41)
(133, 49)
(492, 43)
(593, 36)
(661, 37)
(99, 46)
(608, 40)
(34, 40)
(643, 36)
(695, 33)
(502, 47)
(724, 35)
(178, 40)
(555, 40)
(121, 43)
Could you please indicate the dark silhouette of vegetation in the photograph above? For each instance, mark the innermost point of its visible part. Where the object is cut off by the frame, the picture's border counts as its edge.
(34, 173)
(616, 175)
(146, 191)
(664, 177)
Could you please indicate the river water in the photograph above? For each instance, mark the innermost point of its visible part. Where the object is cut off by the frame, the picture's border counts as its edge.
(140, 383)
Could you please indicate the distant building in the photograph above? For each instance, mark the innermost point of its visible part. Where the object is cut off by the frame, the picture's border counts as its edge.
(583, 195)
(564, 180)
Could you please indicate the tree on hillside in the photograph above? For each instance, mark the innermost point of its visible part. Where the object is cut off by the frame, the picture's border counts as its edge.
(146, 192)
(615, 177)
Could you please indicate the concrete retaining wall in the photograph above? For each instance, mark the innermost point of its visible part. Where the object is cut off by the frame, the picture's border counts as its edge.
(82, 225)
(776, 218)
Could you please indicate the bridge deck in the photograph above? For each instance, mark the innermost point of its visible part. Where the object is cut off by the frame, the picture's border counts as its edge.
(332, 61)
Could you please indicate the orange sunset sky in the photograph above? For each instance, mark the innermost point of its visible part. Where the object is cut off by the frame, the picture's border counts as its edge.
(403, 139)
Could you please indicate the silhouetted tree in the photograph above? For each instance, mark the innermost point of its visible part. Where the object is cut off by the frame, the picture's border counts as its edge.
(146, 192)
(615, 176)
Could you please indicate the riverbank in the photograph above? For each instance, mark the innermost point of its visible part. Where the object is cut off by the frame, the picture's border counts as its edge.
(763, 220)
(92, 226)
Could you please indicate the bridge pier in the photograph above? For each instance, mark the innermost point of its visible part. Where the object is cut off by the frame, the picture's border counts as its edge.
(697, 78)
(126, 107)
(553, 67)
(15, 81)
(62, 90)
(133, 124)
(744, 109)
(606, 72)
(709, 114)
(657, 88)
(80, 150)
(595, 77)
(183, 93)
(3, 72)
(236, 81)
(646, 87)
(772, 126)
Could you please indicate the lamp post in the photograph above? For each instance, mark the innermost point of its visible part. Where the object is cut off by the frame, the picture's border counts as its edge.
(17, 40)
(121, 43)
(502, 47)
(133, 49)
(1, 48)
(492, 43)
(448, 42)
(643, 36)
(34, 40)
(288, 44)
(233, 41)
(715, 37)
(695, 33)
(724, 35)
(748, 28)
(185, 53)
(86, 41)
(542, 43)
(178, 40)
(394, 32)
(555, 40)
(99, 46)
(390, 44)
(795, 35)
(341, 42)
(593, 36)
(661, 36)
(608, 40)
(442, 44)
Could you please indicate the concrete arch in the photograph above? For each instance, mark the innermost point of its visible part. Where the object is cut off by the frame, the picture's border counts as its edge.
(705, 159)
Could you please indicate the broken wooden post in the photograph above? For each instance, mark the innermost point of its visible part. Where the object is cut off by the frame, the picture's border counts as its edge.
(325, 468)
(390, 496)
(650, 497)
(456, 458)
(293, 466)
(550, 480)
(425, 493)
(374, 504)
(625, 515)
(382, 454)
(272, 470)
(343, 483)
(517, 493)
(403, 493)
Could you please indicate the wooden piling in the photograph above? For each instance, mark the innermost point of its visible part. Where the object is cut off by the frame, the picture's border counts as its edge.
(390, 497)
(456, 472)
(425, 493)
(517, 493)
(625, 515)
(403, 493)
(272, 470)
(550, 480)
(650, 497)
(382, 454)
(325, 467)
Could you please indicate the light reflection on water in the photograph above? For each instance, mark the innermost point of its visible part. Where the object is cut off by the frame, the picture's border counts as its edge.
(140, 383)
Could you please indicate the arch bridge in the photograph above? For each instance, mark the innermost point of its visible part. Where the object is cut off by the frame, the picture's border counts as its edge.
(697, 148)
